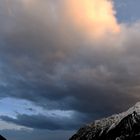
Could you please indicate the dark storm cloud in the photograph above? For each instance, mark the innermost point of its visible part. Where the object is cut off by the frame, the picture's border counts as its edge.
(55, 67)
(46, 122)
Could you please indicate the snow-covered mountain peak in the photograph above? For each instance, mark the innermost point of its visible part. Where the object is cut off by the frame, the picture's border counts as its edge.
(135, 108)
(122, 126)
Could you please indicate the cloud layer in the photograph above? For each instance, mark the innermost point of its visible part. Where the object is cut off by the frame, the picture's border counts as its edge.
(50, 59)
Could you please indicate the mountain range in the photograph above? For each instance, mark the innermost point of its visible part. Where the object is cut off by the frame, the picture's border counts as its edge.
(123, 126)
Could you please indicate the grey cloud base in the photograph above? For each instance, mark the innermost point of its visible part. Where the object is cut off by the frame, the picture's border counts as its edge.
(36, 134)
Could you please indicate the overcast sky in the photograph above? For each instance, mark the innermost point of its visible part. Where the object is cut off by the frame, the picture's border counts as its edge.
(65, 63)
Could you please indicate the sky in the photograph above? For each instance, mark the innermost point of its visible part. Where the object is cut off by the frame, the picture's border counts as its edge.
(65, 63)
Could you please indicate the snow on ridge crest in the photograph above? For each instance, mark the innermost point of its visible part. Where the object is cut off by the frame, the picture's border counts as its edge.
(135, 108)
(113, 120)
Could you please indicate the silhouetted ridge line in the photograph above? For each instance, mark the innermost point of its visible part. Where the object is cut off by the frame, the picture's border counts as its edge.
(2, 138)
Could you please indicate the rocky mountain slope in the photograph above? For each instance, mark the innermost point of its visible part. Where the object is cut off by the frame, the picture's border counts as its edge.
(123, 126)
(2, 138)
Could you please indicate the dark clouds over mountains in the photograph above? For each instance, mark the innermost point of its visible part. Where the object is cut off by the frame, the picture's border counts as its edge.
(45, 60)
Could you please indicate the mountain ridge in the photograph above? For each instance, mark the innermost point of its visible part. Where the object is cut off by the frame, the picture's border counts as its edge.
(122, 126)
(2, 138)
